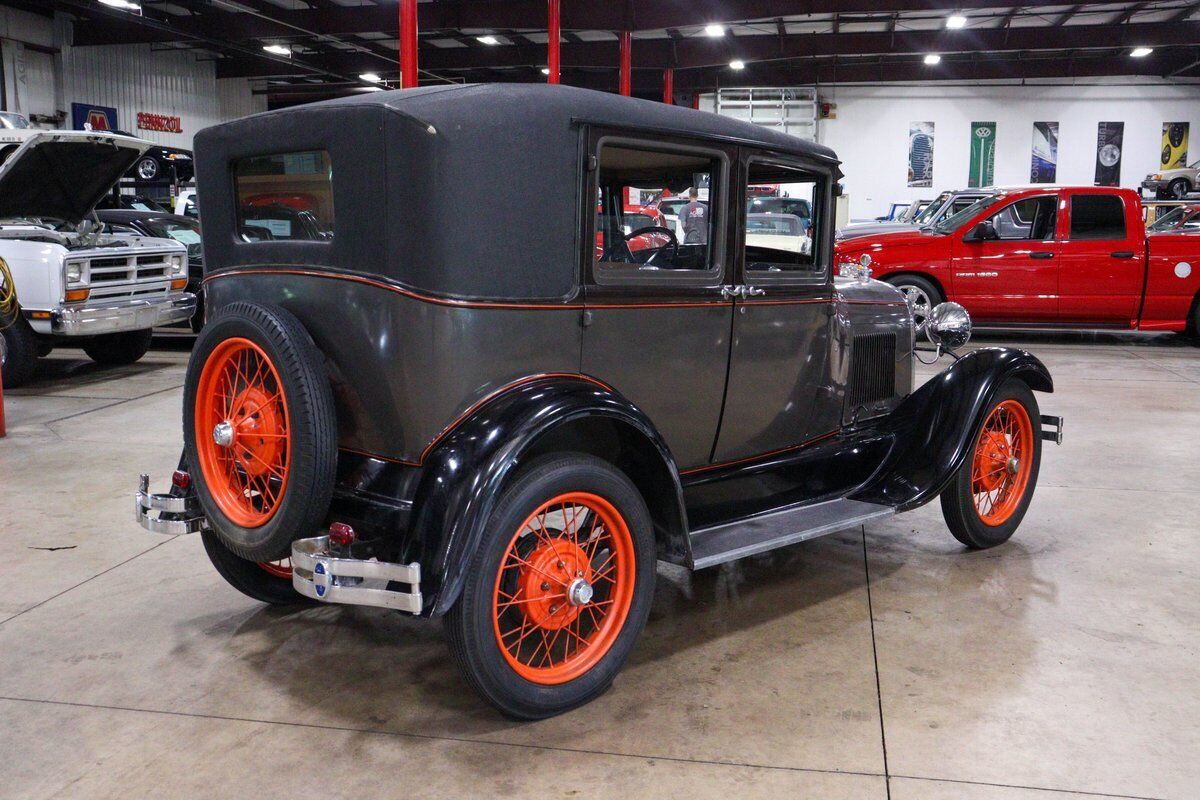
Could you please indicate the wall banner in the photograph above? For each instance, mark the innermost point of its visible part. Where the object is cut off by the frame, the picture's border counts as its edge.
(1174, 145)
(1043, 167)
(85, 116)
(920, 154)
(1108, 153)
(983, 154)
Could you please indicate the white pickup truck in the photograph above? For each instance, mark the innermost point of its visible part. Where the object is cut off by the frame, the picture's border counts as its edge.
(74, 284)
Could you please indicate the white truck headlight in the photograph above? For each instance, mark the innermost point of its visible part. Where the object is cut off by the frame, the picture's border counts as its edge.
(73, 272)
(176, 265)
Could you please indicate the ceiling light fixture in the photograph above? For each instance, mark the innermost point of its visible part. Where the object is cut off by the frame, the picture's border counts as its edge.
(371, 77)
(956, 21)
(933, 58)
(714, 30)
(124, 5)
(1141, 52)
(278, 49)
(489, 39)
(737, 63)
(545, 70)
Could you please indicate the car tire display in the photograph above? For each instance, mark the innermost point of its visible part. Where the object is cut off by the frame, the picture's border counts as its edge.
(548, 614)
(921, 293)
(267, 581)
(114, 349)
(19, 355)
(987, 499)
(259, 429)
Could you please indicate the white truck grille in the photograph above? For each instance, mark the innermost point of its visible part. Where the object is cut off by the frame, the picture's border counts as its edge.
(137, 275)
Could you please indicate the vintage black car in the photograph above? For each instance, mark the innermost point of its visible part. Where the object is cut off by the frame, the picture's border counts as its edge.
(504, 415)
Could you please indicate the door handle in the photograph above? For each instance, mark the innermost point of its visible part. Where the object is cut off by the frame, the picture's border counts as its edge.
(730, 292)
(1122, 254)
(1041, 254)
(750, 291)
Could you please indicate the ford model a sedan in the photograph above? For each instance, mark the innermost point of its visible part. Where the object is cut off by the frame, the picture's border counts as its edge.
(481, 414)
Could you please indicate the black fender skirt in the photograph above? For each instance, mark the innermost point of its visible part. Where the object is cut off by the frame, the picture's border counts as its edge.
(934, 427)
(464, 475)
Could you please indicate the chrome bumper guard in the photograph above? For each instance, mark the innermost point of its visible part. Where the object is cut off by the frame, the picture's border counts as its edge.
(352, 581)
(1052, 428)
(175, 515)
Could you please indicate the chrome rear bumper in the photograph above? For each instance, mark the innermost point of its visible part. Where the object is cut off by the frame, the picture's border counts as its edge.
(163, 513)
(319, 575)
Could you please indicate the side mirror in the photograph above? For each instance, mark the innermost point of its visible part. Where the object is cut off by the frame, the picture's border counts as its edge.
(948, 326)
(983, 232)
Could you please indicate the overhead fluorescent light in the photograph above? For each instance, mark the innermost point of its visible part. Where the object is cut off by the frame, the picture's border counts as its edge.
(1141, 52)
(933, 58)
(956, 21)
(489, 39)
(737, 63)
(124, 5)
(278, 49)
(371, 77)
(714, 30)
(545, 70)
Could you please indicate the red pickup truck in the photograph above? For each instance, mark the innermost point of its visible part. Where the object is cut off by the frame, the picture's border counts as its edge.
(1045, 256)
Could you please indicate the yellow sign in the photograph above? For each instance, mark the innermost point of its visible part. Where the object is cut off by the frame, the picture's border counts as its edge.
(1174, 145)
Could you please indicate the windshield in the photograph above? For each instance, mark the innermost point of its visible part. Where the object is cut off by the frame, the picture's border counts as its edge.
(774, 225)
(11, 120)
(930, 210)
(186, 233)
(952, 222)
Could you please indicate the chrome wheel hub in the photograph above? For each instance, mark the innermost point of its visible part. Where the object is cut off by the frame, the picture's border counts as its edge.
(1013, 465)
(223, 434)
(579, 593)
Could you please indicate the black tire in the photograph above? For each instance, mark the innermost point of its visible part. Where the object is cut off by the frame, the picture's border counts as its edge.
(958, 501)
(1178, 188)
(116, 349)
(20, 353)
(469, 625)
(305, 500)
(918, 287)
(249, 578)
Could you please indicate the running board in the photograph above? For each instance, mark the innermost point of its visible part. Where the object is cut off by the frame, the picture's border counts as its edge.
(733, 540)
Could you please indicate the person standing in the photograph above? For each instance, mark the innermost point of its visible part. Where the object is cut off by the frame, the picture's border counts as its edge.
(694, 218)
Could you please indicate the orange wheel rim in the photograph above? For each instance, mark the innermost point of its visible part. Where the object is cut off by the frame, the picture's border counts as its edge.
(277, 569)
(243, 435)
(1003, 462)
(564, 588)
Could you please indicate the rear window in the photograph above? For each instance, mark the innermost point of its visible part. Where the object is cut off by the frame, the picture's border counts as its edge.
(286, 196)
(1097, 216)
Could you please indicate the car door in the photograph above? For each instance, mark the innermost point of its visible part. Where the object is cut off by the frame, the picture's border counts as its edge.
(779, 366)
(658, 316)
(1103, 260)
(1011, 276)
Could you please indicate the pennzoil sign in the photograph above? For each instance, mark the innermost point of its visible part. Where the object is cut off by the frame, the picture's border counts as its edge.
(162, 123)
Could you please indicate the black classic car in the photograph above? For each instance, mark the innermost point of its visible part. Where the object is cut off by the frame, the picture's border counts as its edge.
(162, 163)
(163, 225)
(505, 418)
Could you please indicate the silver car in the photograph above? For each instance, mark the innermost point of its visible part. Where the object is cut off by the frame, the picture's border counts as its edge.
(947, 203)
(1177, 183)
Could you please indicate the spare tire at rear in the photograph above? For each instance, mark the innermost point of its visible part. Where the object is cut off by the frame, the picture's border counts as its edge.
(259, 430)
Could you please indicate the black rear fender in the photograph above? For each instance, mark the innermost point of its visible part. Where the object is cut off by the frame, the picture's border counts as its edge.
(936, 425)
(467, 471)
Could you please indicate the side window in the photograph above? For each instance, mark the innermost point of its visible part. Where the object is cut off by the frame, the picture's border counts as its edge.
(289, 195)
(780, 231)
(653, 210)
(1031, 218)
(1097, 216)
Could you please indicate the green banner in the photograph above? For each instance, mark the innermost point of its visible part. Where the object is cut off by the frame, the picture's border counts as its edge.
(983, 154)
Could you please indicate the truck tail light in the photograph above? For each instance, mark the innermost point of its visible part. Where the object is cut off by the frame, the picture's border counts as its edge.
(77, 295)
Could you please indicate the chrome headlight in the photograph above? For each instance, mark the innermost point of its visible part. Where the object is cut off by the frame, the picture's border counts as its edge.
(948, 326)
(176, 265)
(73, 273)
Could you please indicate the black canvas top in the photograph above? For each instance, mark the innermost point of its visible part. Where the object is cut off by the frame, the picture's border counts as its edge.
(463, 191)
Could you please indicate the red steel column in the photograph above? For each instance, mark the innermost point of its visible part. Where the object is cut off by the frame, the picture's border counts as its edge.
(626, 62)
(553, 24)
(669, 86)
(695, 99)
(408, 44)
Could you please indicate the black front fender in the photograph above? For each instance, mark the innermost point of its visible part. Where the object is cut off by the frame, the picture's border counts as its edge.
(465, 474)
(935, 426)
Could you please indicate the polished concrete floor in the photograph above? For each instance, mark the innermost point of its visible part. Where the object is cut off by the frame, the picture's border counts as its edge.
(880, 663)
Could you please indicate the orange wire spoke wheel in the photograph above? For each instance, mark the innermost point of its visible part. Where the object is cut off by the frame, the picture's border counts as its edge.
(1003, 462)
(277, 569)
(243, 436)
(564, 588)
